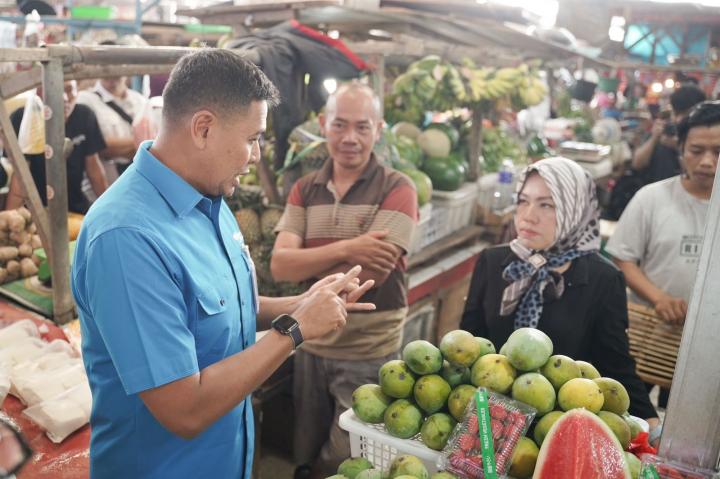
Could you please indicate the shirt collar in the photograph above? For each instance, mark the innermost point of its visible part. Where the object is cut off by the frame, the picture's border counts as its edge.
(178, 193)
(105, 95)
(577, 274)
(325, 173)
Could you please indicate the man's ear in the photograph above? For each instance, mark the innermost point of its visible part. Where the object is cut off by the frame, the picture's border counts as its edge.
(200, 125)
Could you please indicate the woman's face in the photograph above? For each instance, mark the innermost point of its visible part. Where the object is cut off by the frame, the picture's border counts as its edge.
(535, 219)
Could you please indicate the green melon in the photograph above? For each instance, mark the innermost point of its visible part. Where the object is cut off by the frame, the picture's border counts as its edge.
(423, 184)
(434, 142)
(446, 175)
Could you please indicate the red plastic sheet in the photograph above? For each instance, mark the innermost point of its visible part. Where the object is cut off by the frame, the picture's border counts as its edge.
(67, 460)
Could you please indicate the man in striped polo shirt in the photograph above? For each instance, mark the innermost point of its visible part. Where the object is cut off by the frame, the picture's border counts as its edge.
(354, 210)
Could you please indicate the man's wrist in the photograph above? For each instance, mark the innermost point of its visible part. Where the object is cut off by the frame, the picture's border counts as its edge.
(284, 338)
(342, 251)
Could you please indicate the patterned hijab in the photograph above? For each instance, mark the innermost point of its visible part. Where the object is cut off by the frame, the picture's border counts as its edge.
(532, 276)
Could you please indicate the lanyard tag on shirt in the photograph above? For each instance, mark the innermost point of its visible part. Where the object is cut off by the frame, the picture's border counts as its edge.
(253, 271)
(485, 430)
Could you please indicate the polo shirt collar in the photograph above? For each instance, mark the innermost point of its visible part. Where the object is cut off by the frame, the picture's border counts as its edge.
(325, 172)
(577, 274)
(178, 193)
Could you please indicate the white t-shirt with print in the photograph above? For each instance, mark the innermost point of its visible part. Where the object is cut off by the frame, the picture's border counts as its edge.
(111, 123)
(662, 230)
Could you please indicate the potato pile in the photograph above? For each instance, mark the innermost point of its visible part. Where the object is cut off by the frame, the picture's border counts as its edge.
(18, 240)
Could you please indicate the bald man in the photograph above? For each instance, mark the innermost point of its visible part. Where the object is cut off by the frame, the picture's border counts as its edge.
(354, 210)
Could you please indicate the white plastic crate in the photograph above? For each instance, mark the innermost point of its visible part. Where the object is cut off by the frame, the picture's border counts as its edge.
(457, 208)
(419, 325)
(418, 239)
(372, 442)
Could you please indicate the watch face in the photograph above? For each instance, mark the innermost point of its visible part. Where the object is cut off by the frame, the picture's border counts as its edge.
(285, 322)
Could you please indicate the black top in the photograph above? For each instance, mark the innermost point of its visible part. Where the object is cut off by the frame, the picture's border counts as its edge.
(664, 163)
(83, 129)
(588, 322)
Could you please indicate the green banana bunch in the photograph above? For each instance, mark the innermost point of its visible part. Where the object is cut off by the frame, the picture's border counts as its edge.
(434, 84)
(427, 64)
(456, 84)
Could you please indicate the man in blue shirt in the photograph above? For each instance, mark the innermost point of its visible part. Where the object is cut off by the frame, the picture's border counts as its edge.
(164, 287)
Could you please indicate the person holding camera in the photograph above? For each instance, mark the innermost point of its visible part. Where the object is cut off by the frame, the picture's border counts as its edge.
(657, 158)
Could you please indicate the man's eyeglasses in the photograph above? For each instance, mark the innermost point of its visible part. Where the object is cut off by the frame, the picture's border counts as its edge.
(14, 451)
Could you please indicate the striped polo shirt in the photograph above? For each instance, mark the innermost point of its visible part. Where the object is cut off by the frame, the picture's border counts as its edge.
(381, 199)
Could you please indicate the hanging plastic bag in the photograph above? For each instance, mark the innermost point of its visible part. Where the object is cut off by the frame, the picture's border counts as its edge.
(31, 135)
(147, 124)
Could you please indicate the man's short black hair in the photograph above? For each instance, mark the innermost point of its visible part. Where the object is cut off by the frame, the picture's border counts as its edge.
(686, 97)
(705, 114)
(215, 79)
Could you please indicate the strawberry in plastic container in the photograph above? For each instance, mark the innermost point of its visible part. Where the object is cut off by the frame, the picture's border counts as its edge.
(509, 421)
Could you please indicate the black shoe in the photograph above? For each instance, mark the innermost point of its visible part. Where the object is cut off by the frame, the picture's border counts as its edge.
(302, 472)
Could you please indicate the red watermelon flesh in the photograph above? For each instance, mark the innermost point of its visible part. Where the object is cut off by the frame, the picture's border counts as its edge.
(581, 446)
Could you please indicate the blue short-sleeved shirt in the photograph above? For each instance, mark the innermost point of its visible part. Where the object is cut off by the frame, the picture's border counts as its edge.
(164, 288)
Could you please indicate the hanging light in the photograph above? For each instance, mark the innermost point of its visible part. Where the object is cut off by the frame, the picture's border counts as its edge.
(669, 83)
(657, 87)
(617, 29)
(330, 85)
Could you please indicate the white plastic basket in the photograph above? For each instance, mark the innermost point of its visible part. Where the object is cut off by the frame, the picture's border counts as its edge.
(419, 239)
(380, 448)
(419, 325)
(458, 208)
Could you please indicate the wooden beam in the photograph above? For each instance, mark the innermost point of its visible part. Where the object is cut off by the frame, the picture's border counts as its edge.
(476, 143)
(24, 54)
(84, 72)
(56, 180)
(15, 83)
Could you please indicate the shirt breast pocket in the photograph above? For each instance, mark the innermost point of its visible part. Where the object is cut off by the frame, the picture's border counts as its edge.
(247, 276)
(214, 327)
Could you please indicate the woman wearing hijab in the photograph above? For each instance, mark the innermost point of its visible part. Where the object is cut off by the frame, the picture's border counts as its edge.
(552, 278)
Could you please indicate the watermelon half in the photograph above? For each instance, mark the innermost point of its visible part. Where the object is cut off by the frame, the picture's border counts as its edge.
(580, 445)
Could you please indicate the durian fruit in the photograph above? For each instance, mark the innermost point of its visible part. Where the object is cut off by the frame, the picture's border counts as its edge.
(249, 223)
(261, 254)
(268, 220)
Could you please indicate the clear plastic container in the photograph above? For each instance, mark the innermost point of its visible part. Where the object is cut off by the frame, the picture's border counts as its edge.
(656, 467)
(509, 421)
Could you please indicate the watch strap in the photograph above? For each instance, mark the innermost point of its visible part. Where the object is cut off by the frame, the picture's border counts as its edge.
(293, 330)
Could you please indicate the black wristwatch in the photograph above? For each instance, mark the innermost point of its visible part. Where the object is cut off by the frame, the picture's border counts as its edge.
(287, 325)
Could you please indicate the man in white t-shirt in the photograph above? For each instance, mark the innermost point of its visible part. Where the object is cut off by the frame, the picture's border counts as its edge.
(658, 238)
(116, 107)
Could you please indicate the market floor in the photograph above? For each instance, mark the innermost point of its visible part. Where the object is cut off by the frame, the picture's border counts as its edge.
(275, 466)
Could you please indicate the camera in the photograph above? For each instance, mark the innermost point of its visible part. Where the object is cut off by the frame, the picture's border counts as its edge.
(670, 129)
